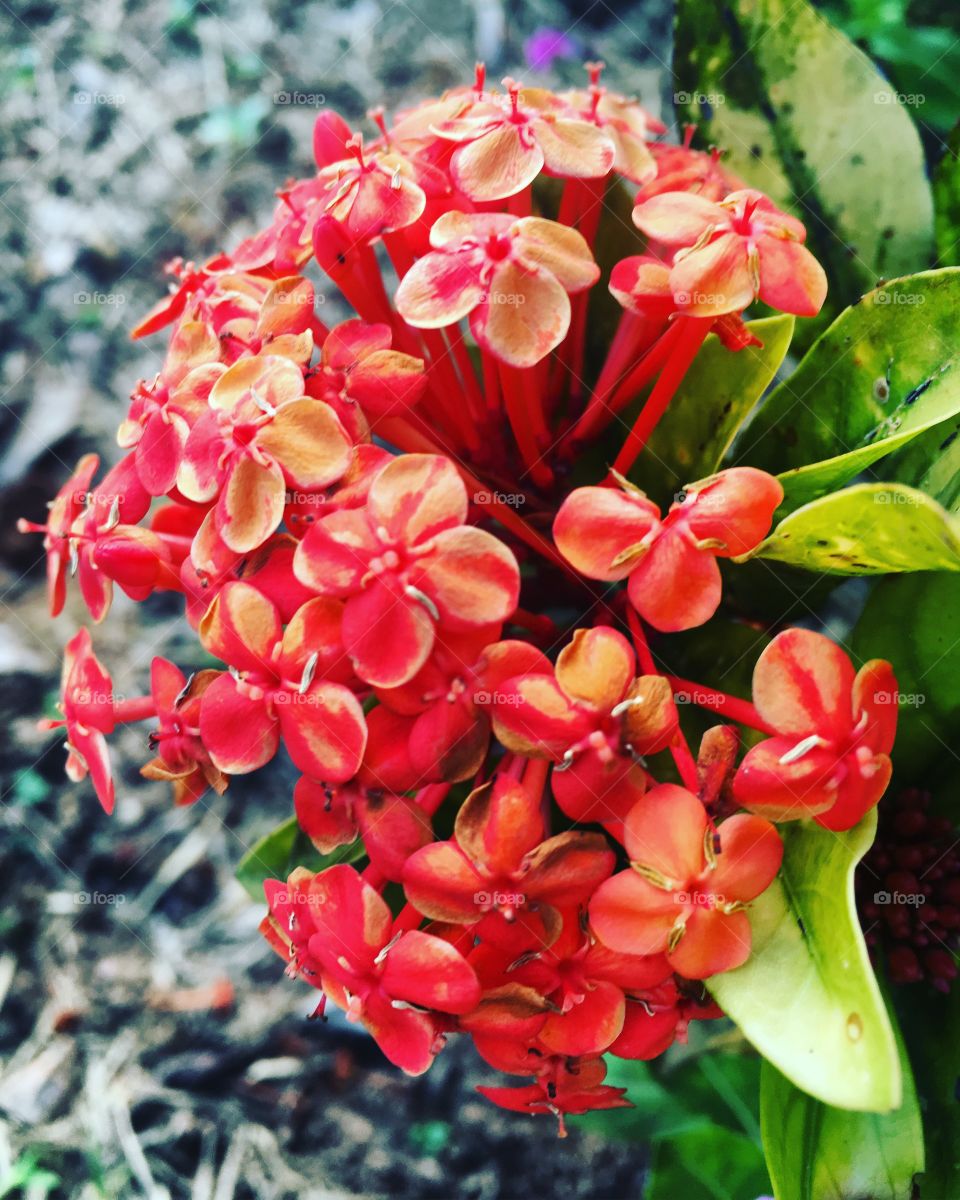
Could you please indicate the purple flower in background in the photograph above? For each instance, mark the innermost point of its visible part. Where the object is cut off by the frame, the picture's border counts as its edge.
(545, 45)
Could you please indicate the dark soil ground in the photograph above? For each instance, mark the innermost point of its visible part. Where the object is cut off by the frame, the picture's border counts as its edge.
(149, 1045)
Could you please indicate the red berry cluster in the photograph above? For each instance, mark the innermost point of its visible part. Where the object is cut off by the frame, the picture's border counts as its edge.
(908, 892)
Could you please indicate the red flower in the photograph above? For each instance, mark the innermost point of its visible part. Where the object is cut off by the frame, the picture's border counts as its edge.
(586, 985)
(834, 733)
(504, 142)
(361, 378)
(337, 931)
(450, 698)
(392, 827)
(623, 121)
(562, 1086)
(499, 862)
(683, 897)
(64, 509)
(160, 415)
(594, 717)
(674, 580)
(87, 704)
(659, 1016)
(407, 564)
(732, 252)
(282, 682)
(371, 193)
(182, 759)
(510, 276)
(260, 434)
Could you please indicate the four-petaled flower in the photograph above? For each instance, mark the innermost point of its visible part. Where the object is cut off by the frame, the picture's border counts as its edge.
(281, 681)
(728, 253)
(594, 717)
(259, 435)
(512, 277)
(682, 895)
(834, 730)
(407, 564)
(336, 930)
(674, 581)
(505, 141)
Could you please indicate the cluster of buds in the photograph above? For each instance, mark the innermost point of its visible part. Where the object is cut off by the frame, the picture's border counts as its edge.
(340, 510)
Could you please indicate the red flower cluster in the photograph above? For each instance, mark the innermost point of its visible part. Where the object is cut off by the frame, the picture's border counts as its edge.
(352, 517)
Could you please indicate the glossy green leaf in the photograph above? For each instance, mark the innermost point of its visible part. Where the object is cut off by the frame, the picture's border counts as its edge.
(885, 371)
(931, 1029)
(816, 1152)
(721, 387)
(946, 201)
(867, 529)
(283, 849)
(912, 621)
(806, 117)
(806, 997)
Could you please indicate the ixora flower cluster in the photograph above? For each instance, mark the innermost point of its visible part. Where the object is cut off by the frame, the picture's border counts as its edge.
(341, 511)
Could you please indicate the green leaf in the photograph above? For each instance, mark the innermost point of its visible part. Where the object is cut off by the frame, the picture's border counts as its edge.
(283, 849)
(931, 1029)
(806, 117)
(946, 202)
(710, 1163)
(911, 620)
(717, 393)
(815, 1152)
(806, 997)
(885, 371)
(867, 529)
